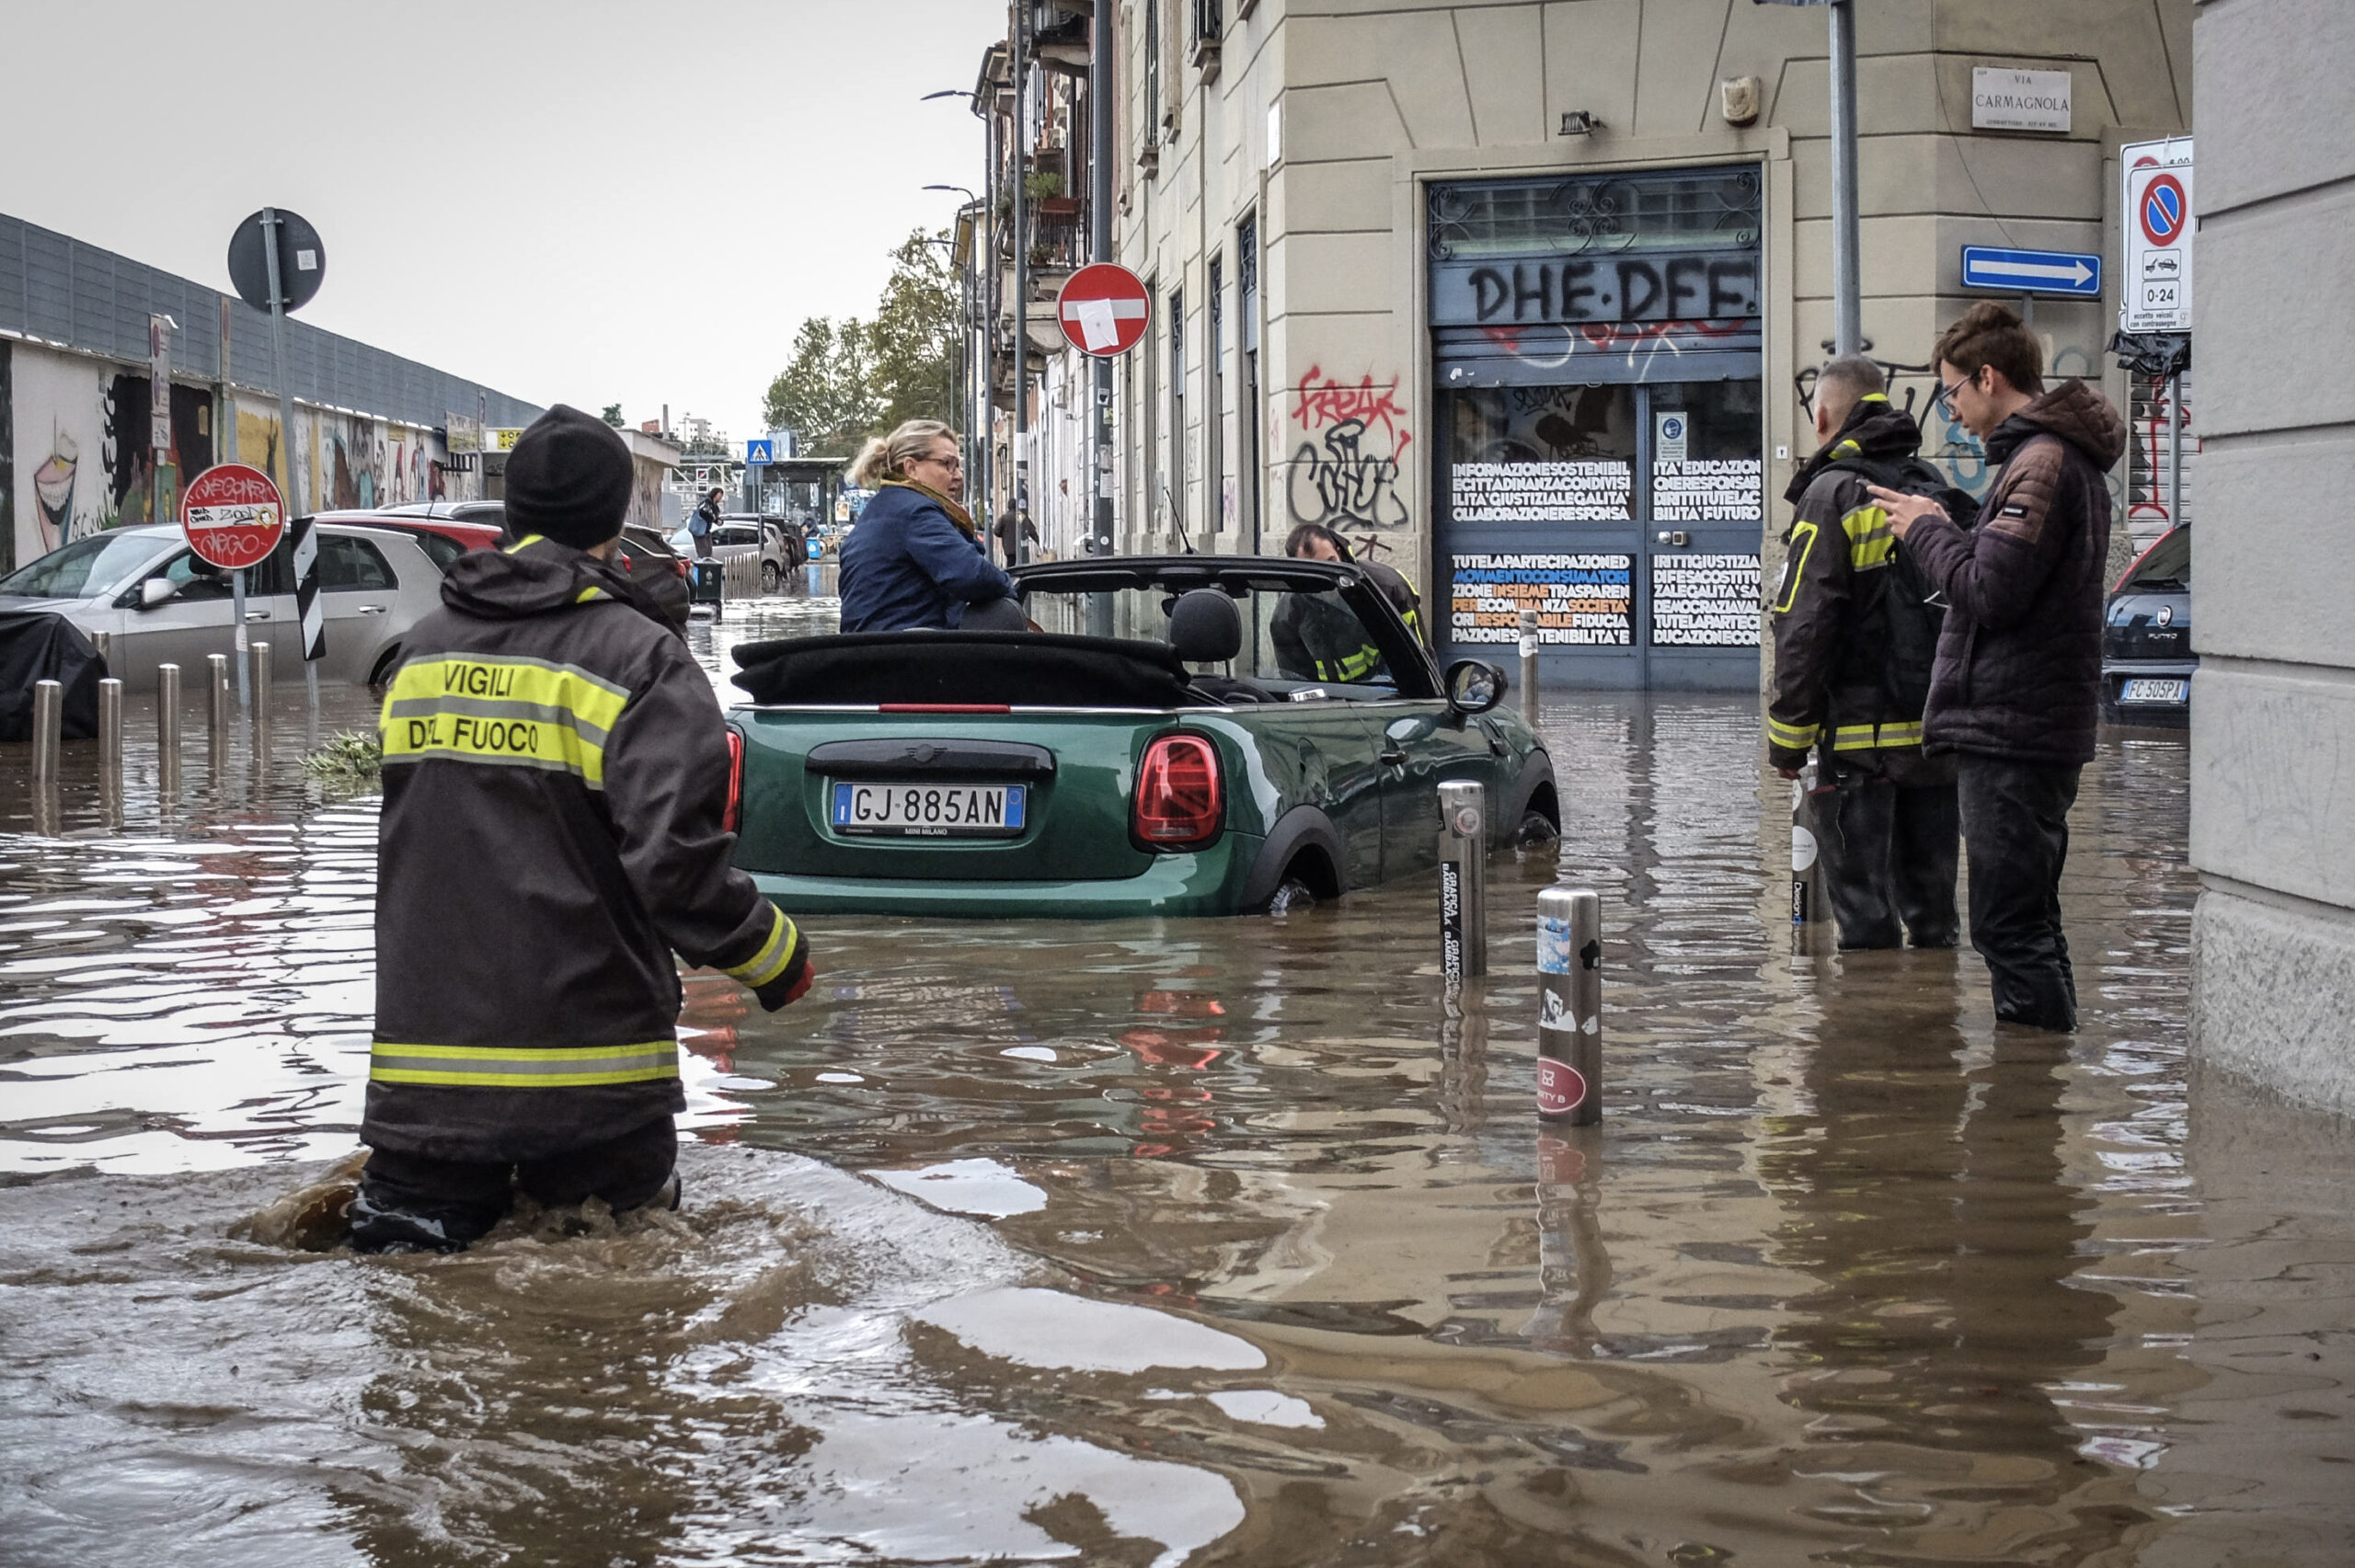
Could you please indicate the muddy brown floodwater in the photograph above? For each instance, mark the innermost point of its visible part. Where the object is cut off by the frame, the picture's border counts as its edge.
(1208, 1242)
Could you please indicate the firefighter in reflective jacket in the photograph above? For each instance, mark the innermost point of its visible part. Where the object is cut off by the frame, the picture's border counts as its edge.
(1330, 639)
(1854, 632)
(555, 785)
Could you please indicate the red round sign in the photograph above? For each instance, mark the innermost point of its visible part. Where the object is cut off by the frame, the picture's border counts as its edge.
(233, 516)
(1103, 309)
(2162, 214)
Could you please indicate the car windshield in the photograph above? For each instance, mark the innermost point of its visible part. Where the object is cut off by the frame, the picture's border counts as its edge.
(1289, 638)
(2168, 564)
(87, 568)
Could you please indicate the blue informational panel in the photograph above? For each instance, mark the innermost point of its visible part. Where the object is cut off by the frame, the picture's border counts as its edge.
(2071, 272)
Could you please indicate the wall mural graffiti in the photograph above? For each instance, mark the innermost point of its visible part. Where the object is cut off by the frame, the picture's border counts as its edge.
(1345, 475)
(136, 492)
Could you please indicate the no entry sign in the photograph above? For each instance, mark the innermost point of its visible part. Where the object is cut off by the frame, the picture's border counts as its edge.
(233, 516)
(1103, 309)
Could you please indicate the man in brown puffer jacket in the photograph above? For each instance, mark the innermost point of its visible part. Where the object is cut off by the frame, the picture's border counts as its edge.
(2016, 691)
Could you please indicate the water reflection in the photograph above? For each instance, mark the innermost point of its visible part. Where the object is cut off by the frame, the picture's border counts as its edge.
(1846, 1276)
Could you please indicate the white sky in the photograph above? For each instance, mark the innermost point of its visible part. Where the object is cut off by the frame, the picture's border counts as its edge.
(571, 201)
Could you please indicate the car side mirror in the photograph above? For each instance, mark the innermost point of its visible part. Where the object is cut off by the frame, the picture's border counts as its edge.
(1474, 686)
(157, 590)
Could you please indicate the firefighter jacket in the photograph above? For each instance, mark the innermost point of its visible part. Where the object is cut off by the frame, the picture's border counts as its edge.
(556, 782)
(1317, 638)
(1830, 621)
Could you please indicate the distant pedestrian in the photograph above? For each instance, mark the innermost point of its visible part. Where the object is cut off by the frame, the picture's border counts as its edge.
(2017, 689)
(1013, 527)
(705, 522)
(915, 559)
(1855, 638)
(555, 789)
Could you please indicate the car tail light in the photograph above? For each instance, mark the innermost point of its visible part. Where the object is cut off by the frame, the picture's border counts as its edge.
(1179, 801)
(733, 812)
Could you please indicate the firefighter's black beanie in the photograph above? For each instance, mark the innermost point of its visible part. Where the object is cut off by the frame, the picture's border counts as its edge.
(568, 479)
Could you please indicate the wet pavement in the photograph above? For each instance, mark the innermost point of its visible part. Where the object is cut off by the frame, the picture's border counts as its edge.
(1192, 1240)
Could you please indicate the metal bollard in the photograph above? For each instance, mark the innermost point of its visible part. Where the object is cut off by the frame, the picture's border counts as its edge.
(167, 730)
(259, 653)
(1529, 667)
(110, 734)
(1810, 914)
(220, 705)
(1463, 880)
(1569, 1016)
(49, 733)
(104, 643)
(261, 714)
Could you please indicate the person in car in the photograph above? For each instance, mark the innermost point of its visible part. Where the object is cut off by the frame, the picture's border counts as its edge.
(1316, 636)
(553, 832)
(915, 559)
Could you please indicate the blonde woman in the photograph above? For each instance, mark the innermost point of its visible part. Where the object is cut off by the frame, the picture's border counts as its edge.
(915, 559)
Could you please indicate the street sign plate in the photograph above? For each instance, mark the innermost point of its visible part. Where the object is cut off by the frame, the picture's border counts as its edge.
(233, 516)
(1103, 309)
(2155, 295)
(302, 262)
(2031, 271)
(759, 453)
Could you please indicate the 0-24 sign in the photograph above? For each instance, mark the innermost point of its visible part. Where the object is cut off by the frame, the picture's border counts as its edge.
(233, 515)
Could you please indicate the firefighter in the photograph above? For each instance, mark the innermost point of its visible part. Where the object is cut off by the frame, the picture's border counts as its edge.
(1323, 639)
(1855, 632)
(557, 777)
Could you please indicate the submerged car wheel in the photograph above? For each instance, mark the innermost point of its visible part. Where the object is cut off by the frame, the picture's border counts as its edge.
(1536, 828)
(770, 576)
(1291, 896)
(379, 678)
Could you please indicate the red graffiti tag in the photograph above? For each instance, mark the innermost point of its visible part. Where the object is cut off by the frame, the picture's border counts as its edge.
(1328, 402)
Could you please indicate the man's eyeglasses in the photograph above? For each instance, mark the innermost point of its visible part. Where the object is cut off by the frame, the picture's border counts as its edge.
(1943, 399)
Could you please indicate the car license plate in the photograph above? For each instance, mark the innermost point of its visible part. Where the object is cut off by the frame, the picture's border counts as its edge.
(2148, 689)
(930, 810)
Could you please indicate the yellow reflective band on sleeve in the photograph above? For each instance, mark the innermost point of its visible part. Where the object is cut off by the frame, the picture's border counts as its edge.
(513, 712)
(586, 594)
(1870, 544)
(1876, 738)
(1792, 736)
(1795, 568)
(775, 955)
(492, 1066)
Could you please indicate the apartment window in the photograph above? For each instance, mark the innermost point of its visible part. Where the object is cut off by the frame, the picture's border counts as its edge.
(1177, 413)
(1206, 21)
(1248, 468)
(1152, 67)
(1215, 410)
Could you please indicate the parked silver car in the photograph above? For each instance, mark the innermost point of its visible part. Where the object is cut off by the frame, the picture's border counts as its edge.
(161, 605)
(744, 533)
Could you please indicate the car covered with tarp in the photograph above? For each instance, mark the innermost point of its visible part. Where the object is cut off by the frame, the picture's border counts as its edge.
(36, 646)
(1177, 736)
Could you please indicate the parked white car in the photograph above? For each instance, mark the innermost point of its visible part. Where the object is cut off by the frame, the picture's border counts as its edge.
(159, 604)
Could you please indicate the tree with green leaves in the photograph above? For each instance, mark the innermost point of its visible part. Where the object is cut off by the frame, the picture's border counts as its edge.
(847, 382)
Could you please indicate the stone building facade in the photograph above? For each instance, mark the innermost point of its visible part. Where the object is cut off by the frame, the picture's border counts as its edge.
(2273, 705)
(1530, 295)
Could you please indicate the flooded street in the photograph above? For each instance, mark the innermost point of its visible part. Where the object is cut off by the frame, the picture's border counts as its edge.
(1163, 1242)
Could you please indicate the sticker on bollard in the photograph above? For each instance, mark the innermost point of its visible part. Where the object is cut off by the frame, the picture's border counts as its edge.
(1569, 1019)
(1450, 921)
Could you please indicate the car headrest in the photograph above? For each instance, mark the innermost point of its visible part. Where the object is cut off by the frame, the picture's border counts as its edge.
(1205, 627)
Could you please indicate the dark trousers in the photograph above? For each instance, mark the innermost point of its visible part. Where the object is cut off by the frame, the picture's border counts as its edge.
(2016, 819)
(411, 1203)
(1889, 851)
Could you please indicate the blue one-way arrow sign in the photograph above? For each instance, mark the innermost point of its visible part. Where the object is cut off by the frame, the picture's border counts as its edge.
(2031, 271)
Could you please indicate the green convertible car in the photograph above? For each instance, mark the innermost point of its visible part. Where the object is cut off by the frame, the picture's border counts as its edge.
(1189, 735)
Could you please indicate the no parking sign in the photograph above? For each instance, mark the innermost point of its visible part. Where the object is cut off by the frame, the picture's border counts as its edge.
(2155, 295)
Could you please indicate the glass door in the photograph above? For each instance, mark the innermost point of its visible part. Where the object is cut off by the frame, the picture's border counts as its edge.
(1702, 512)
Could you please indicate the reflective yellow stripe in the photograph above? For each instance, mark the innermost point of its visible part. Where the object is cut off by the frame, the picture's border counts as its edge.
(525, 543)
(1870, 543)
(775, 955)
(586, 594)
(493, 1067)
(1871, 737)
(1792, 736)
(518, 712)
(1795, 568)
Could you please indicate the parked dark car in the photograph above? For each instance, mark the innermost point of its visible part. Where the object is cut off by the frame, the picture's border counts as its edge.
(2146, 658)
(658, 569)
